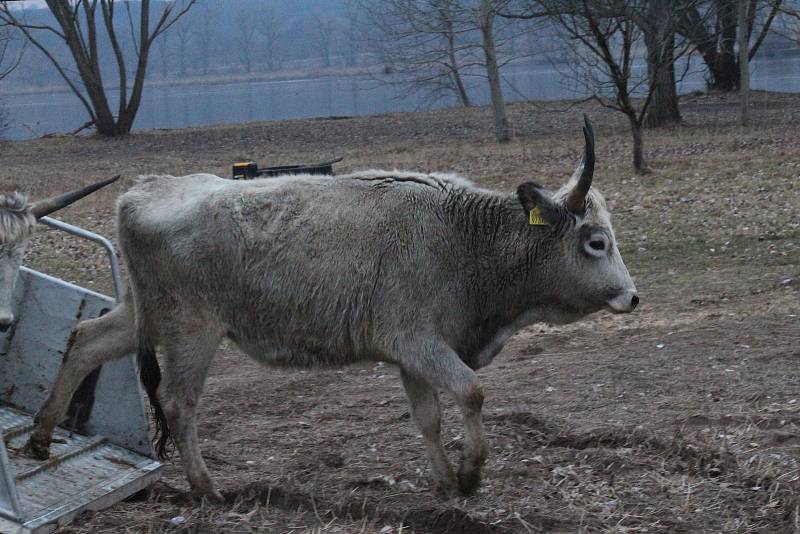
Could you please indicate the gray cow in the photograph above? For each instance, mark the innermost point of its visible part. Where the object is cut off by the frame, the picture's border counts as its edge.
(17, 224)
(424, 271)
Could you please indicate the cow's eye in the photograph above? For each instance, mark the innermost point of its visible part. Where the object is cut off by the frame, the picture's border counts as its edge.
(596, 245)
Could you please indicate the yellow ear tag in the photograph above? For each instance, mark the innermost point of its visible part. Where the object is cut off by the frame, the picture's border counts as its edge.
(536, 218)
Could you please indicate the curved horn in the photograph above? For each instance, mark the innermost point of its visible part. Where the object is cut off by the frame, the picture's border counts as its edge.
(49, 205)
(576, 198)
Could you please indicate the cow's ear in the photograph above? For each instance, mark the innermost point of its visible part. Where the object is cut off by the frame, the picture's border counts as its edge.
(539, 207)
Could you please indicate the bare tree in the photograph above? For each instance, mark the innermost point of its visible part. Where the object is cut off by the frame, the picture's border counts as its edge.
(204, 29)
(487, 12)
(435, 43)
(6, 39)
(77, 26)
(183, 34)
(164, 52)
(9, 60)
(787, 24)
(712, 27)
(270, 27)
(446, 20)
(325, 27)
(423, 43)
(654, 20)
(245, 36)
(658, 28)
(605, 50)
(351, 33)
(744, 20)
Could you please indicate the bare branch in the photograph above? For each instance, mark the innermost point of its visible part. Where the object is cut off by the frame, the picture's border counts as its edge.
(10, 19)
(165, 22)
(108, 18)
(775, 8)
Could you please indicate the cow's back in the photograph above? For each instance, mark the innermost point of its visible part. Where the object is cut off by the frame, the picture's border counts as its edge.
(305, 270)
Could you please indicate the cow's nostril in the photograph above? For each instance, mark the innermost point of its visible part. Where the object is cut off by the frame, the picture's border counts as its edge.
(634, 302)
(4, 327)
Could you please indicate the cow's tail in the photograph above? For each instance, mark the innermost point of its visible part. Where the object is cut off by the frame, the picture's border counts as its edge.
(150, 374)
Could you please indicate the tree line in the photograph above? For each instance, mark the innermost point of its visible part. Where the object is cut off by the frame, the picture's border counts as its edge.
(627, 54)
(105, 51)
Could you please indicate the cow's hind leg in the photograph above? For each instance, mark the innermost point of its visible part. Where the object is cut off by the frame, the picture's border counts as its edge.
(424, 401)
(187, 357)
(441, 367)
(92, 343)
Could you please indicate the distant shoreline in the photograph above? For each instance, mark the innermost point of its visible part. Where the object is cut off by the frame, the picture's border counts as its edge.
(286, 75)
(216, 79)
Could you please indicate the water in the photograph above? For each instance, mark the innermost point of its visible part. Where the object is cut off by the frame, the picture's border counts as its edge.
(196, 105)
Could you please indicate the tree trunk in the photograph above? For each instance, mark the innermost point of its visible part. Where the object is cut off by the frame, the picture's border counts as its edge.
(246, 54)
(660, 42)
(744, 63)
(103, 118)
(725, 71)
(463, 97)
(501, 130)
(455, 72)
(638, 147)
(126, 118)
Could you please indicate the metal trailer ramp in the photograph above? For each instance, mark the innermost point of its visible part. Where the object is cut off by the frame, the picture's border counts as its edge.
(110, 457)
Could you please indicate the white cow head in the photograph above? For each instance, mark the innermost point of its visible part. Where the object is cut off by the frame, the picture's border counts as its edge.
(17, 224)
(588, 274)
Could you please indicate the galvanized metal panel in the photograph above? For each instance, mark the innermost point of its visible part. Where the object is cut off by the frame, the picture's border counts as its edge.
(47, 310)
(9, 501)
(83, 473)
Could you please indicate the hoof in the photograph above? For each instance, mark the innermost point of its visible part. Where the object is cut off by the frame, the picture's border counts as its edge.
(446, 487)
(210, 495)
(37, 449)
(468, 480)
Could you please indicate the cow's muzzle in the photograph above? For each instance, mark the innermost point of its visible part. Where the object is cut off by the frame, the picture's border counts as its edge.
(625, 302)
(6, 320)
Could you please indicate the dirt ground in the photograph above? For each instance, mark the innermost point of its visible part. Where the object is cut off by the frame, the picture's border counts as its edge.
(682, 417)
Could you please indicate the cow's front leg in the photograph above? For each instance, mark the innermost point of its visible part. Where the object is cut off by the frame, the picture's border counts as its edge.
(424, 402)
(441, 367)
(475, 447)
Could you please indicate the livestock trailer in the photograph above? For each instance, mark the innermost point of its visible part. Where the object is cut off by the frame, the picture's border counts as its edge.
(102, 453)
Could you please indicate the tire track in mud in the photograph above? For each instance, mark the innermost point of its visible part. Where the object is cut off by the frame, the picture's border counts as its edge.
(687, 457)
(677, 454)
(441, 518)
(432, 519)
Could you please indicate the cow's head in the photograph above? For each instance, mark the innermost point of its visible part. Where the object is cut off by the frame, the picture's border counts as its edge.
(17, 223)
(587, 272)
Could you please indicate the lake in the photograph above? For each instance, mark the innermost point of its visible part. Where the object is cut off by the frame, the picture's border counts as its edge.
(32, 115)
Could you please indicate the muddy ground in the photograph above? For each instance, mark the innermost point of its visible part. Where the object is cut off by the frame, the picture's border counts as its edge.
(683, 417)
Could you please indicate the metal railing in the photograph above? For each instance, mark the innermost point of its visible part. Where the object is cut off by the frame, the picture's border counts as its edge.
(97, 238)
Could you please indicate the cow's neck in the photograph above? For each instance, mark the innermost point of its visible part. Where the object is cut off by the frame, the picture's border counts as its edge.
(504, 262)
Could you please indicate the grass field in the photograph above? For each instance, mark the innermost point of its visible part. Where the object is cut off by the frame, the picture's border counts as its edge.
(682, 417)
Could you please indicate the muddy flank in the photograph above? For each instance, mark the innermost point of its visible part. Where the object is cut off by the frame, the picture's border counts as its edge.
(683, 417)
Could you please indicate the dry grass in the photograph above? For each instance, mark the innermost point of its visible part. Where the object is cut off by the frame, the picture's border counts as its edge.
(681, 418)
